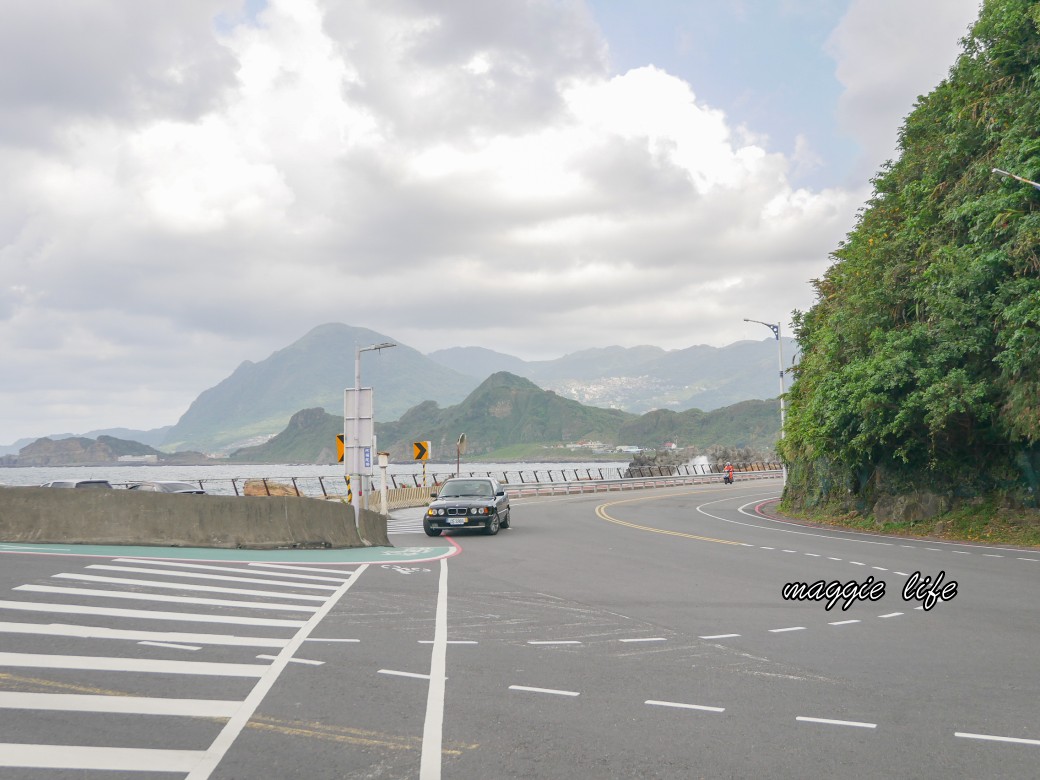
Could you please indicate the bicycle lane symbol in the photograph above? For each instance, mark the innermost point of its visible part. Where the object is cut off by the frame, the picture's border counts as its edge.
(403, 569)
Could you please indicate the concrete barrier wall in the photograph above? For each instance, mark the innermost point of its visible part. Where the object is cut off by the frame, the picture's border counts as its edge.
(87, 516)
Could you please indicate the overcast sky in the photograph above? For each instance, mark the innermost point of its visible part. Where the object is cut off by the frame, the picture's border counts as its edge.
(188, 185)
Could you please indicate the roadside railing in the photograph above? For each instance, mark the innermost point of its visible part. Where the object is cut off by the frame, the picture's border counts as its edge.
(406, 490)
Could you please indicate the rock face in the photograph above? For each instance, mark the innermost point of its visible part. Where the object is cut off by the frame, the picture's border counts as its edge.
(913, 507)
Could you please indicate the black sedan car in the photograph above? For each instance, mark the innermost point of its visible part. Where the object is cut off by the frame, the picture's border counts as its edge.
(467, 502)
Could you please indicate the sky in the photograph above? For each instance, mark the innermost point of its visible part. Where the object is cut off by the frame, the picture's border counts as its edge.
(191, 185)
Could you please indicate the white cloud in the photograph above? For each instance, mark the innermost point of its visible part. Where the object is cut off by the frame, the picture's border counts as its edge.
(888, 53)
(366, 162)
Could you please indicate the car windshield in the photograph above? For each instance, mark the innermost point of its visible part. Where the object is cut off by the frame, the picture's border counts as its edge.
(463, 487)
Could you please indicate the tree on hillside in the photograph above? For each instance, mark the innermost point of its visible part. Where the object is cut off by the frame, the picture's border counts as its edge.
(920, 364)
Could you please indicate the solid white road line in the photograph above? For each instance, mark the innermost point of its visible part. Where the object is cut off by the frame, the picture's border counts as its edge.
(543, 690)
(684, 706)
(147, 665)
(433, 725)
(240, 570)
(125, 705)
(647, 639)
(316, 639)
(194, 588)
(831, 722)
(344, 574)
(292, 660)
(171, 645)
(395, 673)
(116, 594)
(91, 632)
(78, 609)
(991, 738)
(213, 756)
(101, 759)
(220, 577)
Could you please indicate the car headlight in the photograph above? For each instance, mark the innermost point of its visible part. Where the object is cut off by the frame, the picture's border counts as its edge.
(440, 511)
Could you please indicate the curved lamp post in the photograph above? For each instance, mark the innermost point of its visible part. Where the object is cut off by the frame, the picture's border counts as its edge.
(1018, 178)
(775, 327)
(355, 465)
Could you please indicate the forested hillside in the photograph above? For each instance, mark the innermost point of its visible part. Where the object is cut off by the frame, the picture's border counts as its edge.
(920, 361)
(509, 417)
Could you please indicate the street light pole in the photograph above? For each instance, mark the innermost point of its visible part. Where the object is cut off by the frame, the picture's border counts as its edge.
(1018, 178)
(775, 327)
(355, 439)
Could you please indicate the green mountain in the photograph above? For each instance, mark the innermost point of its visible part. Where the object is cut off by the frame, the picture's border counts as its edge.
(752, 425)
(507, 412)
(504, 410)
(258, 399)
(920, 361)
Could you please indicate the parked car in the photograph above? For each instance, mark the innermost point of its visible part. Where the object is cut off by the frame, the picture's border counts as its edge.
(467, 502)
(166, 486)
(79, 483)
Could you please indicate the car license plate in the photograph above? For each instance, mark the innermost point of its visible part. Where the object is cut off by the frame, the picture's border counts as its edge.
(456, 520)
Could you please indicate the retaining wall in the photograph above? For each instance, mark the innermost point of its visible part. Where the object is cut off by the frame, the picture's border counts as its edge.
(88, 516)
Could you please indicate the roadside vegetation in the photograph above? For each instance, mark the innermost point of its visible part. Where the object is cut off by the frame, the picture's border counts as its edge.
(920, 361)
(980, 520)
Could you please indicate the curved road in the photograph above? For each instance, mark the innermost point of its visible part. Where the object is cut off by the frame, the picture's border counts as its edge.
(641, 634)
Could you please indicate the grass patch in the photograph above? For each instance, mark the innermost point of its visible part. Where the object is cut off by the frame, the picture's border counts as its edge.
(981, 521)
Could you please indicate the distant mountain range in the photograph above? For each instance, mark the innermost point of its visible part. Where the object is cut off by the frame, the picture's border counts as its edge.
(257, 400)
(505, 418)
(508, 417)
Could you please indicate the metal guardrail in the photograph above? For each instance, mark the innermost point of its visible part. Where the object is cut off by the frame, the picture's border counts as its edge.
(518, 483)
(632, 483)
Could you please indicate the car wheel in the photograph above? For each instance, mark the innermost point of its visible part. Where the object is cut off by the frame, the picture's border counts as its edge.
(492, 525)
(430, 531)
(505, 520)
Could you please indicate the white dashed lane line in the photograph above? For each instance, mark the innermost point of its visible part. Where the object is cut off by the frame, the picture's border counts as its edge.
(743, 510)
(681, 706)
(830, 722)
(555, 642)
(647, 639)
(552, 691)
(991, 738)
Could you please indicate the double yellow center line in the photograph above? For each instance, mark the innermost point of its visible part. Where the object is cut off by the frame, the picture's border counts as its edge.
(601, 513)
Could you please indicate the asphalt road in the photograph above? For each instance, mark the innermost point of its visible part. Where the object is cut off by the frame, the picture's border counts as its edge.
(634, 635)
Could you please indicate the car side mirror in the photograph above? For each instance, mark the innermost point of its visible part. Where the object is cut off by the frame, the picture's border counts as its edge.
(500, 493)
(433, 495)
